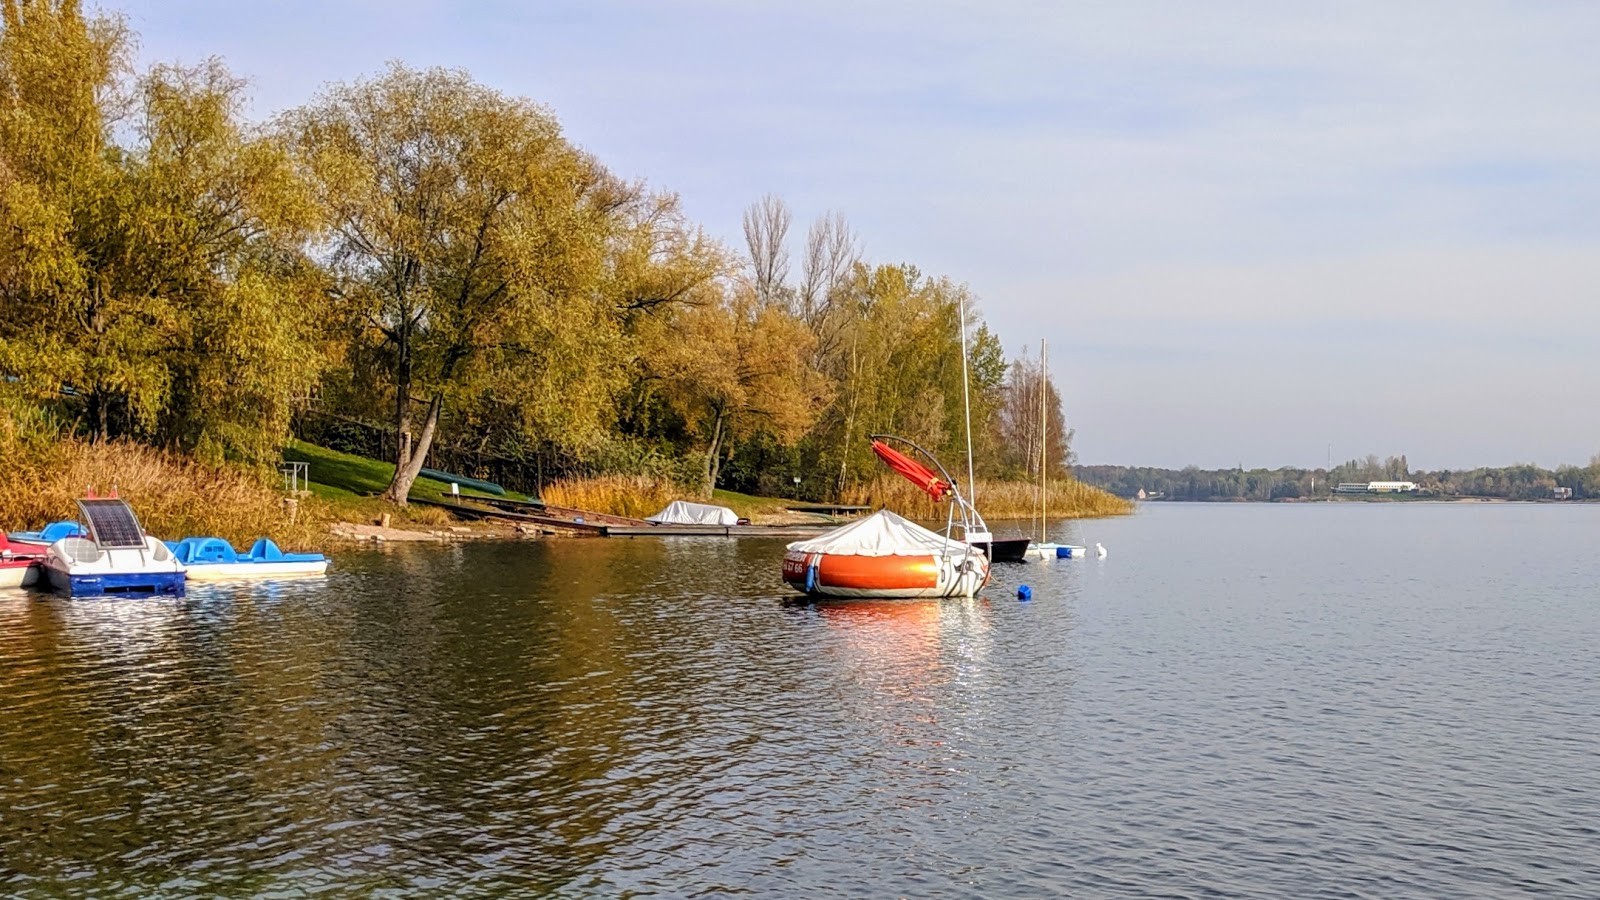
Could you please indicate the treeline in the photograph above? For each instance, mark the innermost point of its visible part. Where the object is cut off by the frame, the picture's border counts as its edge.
(1520, 482)
(416, 261)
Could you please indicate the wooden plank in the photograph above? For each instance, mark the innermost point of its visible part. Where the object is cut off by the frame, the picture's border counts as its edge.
(829, 509)
(474, 512)
(768, 531)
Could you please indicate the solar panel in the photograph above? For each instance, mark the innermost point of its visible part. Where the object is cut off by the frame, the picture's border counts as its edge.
(112, 524)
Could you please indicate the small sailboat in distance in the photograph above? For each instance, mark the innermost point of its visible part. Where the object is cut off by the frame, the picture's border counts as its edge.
(1043, 549)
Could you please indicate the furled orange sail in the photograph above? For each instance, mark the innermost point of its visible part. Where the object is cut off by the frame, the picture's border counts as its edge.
(919, 474)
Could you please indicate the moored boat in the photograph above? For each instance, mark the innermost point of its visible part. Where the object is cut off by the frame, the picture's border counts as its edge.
(1047, 550)
(19, 563)
(885, 556)
(49, 534)
(214, 559)
(115, 557)
(1008, 549)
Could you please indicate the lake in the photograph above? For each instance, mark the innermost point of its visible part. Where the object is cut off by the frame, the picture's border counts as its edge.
(1320, 700)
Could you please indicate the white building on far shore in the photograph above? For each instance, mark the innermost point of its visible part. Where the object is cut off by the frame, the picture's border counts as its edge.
(1376, 487)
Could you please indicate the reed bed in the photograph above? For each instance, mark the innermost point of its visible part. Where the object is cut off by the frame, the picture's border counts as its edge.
(173, 495)
(995, 499)
(618, 495)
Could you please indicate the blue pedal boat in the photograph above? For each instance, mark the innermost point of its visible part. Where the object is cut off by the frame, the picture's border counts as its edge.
(214, 559)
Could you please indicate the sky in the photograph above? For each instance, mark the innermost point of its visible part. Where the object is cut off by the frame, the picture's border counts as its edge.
(1252, 233)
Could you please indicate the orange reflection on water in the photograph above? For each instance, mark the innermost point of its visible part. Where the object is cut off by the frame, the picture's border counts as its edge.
(904, 648)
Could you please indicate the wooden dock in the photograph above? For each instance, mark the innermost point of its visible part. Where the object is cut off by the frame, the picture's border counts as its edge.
(829, 509)
(775, 531)
(550, 523)
(564, 520)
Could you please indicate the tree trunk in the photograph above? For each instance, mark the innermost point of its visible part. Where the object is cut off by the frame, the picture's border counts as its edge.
(98, 431)
(402, 414)
(849, 423)
(405, 475)
(713, 456)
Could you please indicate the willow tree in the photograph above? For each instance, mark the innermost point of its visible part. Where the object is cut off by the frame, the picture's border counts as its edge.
(61, 198)
(897, 368)
(155, 282)
(466, 237)
(220, 219)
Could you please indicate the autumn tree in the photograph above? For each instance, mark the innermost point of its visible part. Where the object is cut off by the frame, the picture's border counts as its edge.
(466, 240)
(153, 284)
(897, 368)
(732, 368)
(1033, 436)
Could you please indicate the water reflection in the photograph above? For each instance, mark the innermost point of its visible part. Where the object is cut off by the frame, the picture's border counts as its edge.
(613, 717)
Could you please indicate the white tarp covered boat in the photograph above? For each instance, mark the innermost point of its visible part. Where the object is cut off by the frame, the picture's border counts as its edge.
(682, 512)
(885, 555)
(117, 557)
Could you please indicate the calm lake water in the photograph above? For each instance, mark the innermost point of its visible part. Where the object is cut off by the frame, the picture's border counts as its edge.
(1375, 700)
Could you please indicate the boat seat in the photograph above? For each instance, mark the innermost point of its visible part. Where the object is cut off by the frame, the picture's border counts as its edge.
(265, 549)
(201, 550)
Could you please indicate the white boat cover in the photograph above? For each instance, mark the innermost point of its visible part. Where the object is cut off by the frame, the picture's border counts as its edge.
(682, 512)
(882, 534)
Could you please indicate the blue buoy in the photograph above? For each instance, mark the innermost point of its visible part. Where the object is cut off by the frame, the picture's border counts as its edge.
(1024, 593)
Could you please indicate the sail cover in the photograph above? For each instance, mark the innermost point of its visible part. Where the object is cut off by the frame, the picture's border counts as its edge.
(882, 534)
(919, 474)
(681, 512)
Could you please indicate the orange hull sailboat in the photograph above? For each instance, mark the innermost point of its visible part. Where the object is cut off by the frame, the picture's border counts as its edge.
(885, 556)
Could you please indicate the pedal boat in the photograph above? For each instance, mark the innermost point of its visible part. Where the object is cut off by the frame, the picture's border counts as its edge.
(19, 563)
(48, 535)
(116, 558)
(214, 559)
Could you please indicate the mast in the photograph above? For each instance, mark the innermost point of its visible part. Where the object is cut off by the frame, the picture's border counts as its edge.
(1044, 441)
(966, 403)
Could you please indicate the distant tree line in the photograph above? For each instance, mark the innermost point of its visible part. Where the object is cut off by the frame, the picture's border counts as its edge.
(416, 261)
(1518, 482)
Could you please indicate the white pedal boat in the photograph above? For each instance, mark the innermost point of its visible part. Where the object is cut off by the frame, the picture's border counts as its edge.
(116, 558)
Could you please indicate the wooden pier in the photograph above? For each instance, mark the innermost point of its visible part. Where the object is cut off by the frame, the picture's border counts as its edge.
(786, 531)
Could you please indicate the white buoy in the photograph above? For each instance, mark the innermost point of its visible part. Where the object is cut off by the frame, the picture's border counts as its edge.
(1100, 550)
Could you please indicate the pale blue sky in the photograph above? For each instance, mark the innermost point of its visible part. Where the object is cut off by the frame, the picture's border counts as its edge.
(1249, 230)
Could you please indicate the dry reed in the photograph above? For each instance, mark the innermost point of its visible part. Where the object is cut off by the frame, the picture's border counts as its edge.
(618, 495)
(995, 499)
(173, 495)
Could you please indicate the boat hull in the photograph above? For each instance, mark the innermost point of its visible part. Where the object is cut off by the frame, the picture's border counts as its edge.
(1056, 551)
(250, 570)
(18, 574)
(851, 576)
(130, 584)
(1006, 549)
(78, 567)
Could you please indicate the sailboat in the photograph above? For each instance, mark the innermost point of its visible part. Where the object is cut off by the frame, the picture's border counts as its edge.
(885, 556)
(1043, 549)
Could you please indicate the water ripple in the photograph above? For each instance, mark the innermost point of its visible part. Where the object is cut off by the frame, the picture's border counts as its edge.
(1241, 702)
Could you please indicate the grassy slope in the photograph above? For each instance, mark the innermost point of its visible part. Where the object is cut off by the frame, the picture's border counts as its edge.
(751, 507)
(350, 486)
